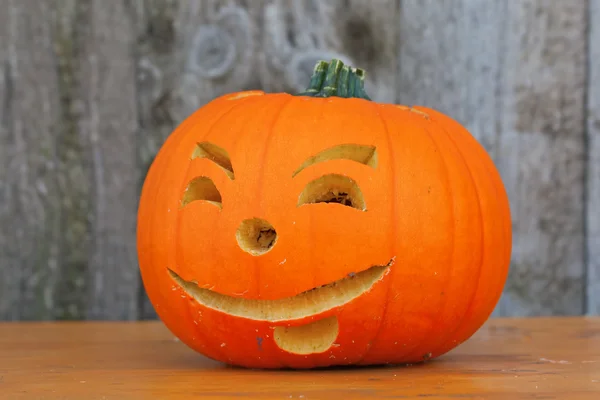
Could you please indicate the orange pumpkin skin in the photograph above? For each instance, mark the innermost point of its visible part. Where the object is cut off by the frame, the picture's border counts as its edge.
(435, 206)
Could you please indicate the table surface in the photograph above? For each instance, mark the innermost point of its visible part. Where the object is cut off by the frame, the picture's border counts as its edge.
(550, 358)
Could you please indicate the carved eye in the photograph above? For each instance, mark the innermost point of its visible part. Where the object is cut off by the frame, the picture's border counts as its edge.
(201, 188)
(333, 188)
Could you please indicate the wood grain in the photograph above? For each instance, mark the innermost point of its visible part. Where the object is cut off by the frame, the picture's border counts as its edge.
(549, 358)
(70, 124)
(90, 89)
(593, 163)
(108, 88)
(506, 81)
(297, 34)
(43, 216)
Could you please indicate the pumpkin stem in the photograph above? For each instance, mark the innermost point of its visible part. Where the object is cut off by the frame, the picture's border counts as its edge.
(336, 79)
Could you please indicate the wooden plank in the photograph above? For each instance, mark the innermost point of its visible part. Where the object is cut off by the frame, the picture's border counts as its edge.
(8, 252)
(42, 225)
(68, 69)
(551, 358)
(593, 166)
(513, 73)
(188, 54)
(67, 20)
(108, 89)
(298, 33)
(69, 167)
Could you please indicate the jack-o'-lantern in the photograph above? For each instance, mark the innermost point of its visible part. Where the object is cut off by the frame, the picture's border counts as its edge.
(320, 229)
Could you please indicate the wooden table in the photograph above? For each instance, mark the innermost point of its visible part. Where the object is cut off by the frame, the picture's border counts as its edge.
(507, 359)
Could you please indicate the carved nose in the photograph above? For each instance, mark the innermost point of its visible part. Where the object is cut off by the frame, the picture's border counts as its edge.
(256, 236)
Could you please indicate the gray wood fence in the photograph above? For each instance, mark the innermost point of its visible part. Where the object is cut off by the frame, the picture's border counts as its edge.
(89, 89)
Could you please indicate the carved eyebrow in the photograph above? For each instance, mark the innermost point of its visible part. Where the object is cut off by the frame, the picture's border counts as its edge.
(216, 154)
(363, 154)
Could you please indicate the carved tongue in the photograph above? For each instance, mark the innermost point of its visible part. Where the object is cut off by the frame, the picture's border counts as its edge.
(315, 337)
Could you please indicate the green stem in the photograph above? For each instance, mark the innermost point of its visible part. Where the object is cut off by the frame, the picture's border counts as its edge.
(336, 79)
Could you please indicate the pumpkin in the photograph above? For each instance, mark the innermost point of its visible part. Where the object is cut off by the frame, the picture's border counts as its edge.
(319, 229)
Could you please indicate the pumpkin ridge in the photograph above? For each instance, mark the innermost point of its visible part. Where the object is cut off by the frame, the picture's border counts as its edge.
(482, 231)
(417, 352)
(394, 234)
(311, 232)
(260, 176)
(495, 178)
(496, 184)
(259, 184)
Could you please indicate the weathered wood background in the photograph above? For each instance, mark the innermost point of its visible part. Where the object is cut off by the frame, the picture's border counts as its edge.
(89, 89)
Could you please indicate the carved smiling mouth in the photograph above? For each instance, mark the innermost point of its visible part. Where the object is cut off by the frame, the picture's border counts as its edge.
(313, 337)
(305, 304)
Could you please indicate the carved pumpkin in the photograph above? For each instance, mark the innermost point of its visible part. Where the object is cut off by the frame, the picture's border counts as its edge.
(322, 229)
